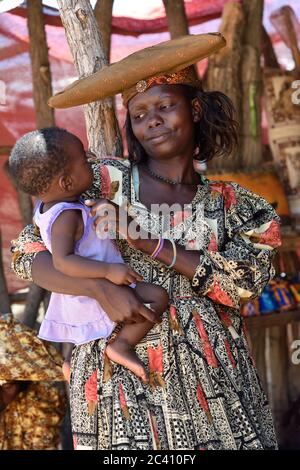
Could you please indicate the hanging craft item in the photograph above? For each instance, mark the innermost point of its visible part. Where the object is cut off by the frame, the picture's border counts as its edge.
(283, 114)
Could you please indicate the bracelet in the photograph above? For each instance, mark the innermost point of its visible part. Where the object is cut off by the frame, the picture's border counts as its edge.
(157, 248)
(174, 254)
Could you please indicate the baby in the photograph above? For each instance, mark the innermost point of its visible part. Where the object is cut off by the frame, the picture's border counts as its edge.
(52, 165)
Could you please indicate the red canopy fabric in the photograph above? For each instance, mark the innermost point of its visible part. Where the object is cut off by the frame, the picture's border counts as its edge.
(197, 12)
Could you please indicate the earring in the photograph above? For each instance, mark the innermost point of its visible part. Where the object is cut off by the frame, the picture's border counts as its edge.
(196, 152)
(196, 117)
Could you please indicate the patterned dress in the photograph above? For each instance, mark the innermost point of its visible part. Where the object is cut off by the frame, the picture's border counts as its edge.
(32, 420)
(204, 391)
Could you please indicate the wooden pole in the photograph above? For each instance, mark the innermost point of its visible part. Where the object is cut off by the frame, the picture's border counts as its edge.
(41, 74)
(285, 20)
(5, 150)
(223, 74)
(103, 14)
(270, 59)
(24, 200)
(176, 17)
(251, 77)
(86, 45)
(4, 297)
(42, 90)
(33, 301)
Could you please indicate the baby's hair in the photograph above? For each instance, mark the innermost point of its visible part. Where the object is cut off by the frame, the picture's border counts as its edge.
(37, 158)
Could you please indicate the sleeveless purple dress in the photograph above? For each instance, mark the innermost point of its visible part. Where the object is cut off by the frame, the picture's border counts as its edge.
(70, 318)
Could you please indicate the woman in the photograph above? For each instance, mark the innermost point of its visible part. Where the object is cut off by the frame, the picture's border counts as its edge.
(211, 250)
(32, 406)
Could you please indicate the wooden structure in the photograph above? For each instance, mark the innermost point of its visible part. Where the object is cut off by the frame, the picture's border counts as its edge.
(88, 52)
(274, 340)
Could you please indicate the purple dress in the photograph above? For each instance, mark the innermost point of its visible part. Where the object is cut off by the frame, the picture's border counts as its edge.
(70, 318)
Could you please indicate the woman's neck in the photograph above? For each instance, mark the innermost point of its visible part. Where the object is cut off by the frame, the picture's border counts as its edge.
(174, 169)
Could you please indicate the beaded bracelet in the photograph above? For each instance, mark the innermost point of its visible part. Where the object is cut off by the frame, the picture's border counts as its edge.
(174, 255)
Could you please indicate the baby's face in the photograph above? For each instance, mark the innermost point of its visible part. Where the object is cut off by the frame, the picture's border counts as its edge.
(78, 166)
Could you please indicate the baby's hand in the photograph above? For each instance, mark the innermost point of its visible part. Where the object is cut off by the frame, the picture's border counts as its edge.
(121, 274)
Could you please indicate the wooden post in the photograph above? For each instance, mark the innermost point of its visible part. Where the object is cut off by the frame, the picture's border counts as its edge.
(24, 200)
(251, 76)
(103, 14)
(279, 373)
(33, 301)
(270, 59)
(223, 74)
(258, 348)
(176, 17)
(41, 74)
(5, 150)
(4, 297)
(86, 45)
(285, 20)
(42, 90)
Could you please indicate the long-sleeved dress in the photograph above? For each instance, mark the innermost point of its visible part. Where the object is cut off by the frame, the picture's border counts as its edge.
(204, 391)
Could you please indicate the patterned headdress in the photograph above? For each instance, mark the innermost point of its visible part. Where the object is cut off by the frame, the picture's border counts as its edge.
(167, 62)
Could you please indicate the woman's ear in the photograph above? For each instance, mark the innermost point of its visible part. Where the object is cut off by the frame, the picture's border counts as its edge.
(196, 109)
(66, 183)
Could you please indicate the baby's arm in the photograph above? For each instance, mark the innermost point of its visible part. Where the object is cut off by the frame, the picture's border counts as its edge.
(66, 230)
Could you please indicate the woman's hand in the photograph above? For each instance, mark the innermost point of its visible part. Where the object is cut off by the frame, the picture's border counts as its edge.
(122, 304)
(111, 217)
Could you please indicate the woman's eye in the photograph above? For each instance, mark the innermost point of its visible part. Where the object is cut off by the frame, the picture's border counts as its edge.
(139, 116)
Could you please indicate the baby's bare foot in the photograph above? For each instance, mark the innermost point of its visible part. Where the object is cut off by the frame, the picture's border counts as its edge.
(120, 352)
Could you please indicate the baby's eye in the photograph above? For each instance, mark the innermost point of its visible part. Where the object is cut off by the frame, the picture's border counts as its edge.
(165, 106)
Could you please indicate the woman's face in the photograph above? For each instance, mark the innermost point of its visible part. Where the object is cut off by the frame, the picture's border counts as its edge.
(162, 120)
(8, 392)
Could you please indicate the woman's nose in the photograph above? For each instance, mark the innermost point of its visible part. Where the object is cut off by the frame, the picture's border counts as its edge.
(154, 120)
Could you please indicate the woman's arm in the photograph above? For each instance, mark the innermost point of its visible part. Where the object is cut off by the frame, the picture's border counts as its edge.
(119, 302)
(243, 266)
(31, 262)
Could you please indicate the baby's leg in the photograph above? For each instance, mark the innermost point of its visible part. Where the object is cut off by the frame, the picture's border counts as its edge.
(66, 371)
(67, 353)
(154, 295)
(121, 350)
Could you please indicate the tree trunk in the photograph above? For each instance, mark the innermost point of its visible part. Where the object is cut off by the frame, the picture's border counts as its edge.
(4, 298)
(176, 17)
(251, 73)
(86, 45)
(103, 14)
(223, 74)
(41, 74)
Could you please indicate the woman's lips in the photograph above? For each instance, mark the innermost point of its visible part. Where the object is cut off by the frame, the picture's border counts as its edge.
(157, 139)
